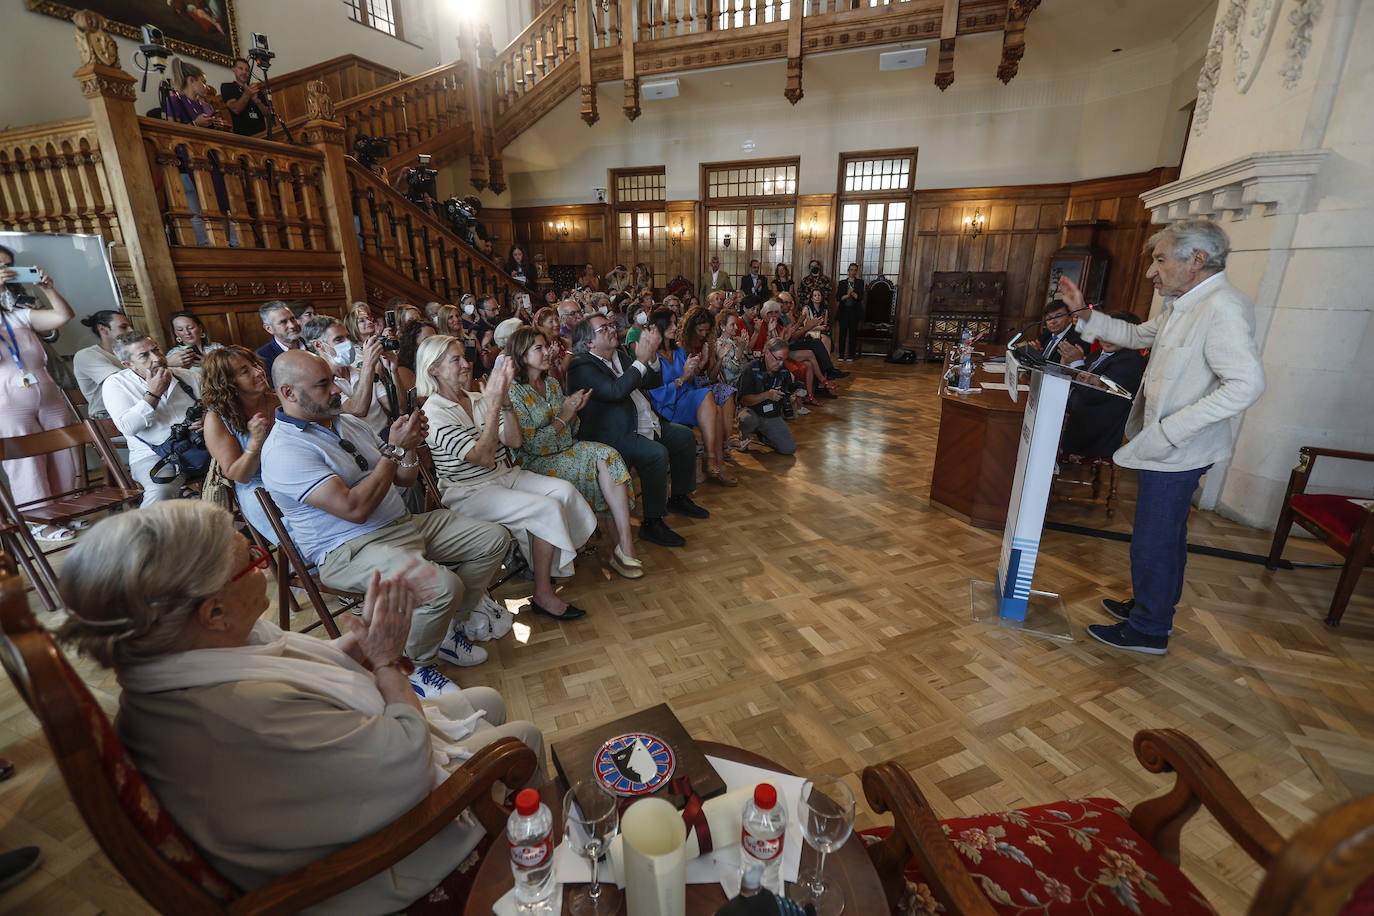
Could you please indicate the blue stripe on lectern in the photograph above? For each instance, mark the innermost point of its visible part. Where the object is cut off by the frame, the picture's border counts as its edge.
(1011, 599)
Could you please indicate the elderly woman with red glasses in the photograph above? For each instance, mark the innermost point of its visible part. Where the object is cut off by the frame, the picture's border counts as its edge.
(219, 707)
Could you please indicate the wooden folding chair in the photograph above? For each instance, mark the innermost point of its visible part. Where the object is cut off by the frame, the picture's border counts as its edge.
(88, 498)
(430, 479)
(141, 838)
(294, 572)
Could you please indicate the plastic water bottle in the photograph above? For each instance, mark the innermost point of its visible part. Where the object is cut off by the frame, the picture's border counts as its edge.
(761, 838)
(965, 373)
(531, 853)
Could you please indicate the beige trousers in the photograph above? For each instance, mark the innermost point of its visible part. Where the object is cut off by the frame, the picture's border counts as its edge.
(463, 551)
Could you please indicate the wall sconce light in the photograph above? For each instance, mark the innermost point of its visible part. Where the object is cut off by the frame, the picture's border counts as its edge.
(675, 233)
(812, 229)
(772, 239)
(559, 229)
(973, 225)
(725, 241)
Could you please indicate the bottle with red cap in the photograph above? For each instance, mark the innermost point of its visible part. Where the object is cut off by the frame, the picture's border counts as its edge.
(529, 831)
(761, 838)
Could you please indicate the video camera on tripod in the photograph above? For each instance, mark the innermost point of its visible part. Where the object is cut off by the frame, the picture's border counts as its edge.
(369, 150)
(420, 189)
(461, 213)
(155, 53)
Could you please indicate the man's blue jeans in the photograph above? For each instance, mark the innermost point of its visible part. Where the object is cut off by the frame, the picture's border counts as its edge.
(1159, 546)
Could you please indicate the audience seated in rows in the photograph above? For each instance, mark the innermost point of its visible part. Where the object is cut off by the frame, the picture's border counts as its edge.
(336, 484)
(225, 714)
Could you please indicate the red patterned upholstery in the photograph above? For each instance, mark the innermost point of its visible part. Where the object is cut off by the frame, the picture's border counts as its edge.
(1071, 857)
(138, 801)
(1336, 514)
(448, 898)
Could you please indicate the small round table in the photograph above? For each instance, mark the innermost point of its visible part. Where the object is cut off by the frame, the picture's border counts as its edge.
(849, 867)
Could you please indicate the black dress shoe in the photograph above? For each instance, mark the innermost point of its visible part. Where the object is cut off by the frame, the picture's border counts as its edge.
(572, 613)
(683, 505)
(836, 373)
(656, 531)
(827, 394)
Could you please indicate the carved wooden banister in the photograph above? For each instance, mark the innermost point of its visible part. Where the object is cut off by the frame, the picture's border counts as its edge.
(546, 44)
(347, 76)
(243, 191)
(406, 242)
(52, 179)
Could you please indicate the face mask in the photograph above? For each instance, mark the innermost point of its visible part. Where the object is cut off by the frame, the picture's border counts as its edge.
(469, 309)
(603, 310)
(642, 318)
(815, 270)
(343, 353)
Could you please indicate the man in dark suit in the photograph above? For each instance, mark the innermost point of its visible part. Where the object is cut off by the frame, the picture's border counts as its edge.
(753, 283)
(1097, 420)
(1059, 329)
(279, 321)
(619, 414)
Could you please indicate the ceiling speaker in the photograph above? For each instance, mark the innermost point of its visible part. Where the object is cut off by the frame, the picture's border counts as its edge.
(661, 89)
(904, 59)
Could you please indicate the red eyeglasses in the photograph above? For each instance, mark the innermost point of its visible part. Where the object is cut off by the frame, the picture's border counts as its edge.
(257, 559)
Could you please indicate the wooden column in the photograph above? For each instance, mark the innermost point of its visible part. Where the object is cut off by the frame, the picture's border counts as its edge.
(627, 50)
(949, 27)
(327, 135)
(110, 92)
(793, 92)
(583, 10)
(476, 105)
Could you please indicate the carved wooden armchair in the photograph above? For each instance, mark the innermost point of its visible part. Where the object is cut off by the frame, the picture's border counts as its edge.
(1092, 855)
(1344, 523)
(148, 848)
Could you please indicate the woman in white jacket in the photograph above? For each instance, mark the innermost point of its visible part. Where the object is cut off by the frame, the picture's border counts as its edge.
(1204, 371)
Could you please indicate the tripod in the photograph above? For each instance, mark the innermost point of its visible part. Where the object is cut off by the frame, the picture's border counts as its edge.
(266, 98)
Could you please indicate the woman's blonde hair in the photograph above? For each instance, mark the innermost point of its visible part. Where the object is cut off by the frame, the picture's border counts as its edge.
(182, 71)
(134, 580)
(441, 317)
(432, 349)
(771, 307)
(351, 319)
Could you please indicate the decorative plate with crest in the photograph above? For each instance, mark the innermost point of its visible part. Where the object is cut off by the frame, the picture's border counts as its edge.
(634, 764)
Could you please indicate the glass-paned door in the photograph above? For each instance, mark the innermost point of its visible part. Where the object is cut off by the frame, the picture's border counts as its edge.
(740, 234)
(643, 239)
(871, 235)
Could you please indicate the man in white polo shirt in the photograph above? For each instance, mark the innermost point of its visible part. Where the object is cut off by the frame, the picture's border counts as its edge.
(144, 399)
(335, 483)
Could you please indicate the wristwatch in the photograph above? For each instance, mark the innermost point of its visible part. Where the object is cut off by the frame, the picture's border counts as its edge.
(388, 450)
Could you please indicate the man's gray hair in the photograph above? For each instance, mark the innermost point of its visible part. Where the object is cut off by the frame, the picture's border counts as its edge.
(583, 333)
(776, 345)
(316, 328)
(125, 342)
(267, 308)
(1192, 235)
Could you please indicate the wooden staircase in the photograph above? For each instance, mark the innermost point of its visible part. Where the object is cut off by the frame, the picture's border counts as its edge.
(217, 224)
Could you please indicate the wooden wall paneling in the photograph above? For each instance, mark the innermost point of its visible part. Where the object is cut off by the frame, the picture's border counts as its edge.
(684, 256)
(587, 239)
(500, 232)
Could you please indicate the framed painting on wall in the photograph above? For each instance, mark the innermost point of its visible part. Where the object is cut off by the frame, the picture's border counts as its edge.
(206, 29)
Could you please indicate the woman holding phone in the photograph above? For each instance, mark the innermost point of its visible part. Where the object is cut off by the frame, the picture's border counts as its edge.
(31, 401)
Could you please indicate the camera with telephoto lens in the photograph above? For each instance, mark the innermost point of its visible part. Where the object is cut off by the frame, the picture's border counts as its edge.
(183, 433)
(462, 216)
(420, 182)
(369, 150)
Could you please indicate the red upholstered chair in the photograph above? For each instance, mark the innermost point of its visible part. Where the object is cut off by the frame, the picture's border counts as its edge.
(1093, 856)
(1344, 523)
(148, 848)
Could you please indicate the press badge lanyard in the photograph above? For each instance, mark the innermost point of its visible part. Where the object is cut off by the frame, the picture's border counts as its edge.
(26, 379)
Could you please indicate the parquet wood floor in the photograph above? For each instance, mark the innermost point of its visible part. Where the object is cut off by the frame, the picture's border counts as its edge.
(820, 617)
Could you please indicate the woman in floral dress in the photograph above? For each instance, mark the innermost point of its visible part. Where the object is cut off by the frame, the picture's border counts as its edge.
(548, 421)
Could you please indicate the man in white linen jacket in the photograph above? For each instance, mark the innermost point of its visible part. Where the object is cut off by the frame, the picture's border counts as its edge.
(1204, 371)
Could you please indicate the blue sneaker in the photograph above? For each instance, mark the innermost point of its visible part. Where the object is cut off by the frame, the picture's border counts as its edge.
(1125, 636)
(428, 682)
(458, 650)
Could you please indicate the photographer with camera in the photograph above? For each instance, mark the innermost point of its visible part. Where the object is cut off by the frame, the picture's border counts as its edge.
(241, 98)
(158, 410)
(766, 390)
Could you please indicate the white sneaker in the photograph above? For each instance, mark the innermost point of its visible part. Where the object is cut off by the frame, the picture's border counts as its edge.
(477, 627)
(458, 650)
(428, 682)
(499, 619)
(802, 411)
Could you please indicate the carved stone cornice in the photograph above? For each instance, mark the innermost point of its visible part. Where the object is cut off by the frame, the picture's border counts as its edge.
(1261, 184)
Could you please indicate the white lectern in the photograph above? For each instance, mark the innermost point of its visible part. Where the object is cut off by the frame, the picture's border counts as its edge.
(1010, 600)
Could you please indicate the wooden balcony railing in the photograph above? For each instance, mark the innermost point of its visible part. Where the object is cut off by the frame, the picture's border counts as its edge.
(396, 235)
(347, 76)
(52, 180)
(248, 193)
(549, 41)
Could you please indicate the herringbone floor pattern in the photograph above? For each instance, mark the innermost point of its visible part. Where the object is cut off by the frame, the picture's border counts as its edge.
(821, 617)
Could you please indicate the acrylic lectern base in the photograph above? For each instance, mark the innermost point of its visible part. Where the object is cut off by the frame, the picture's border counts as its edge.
(1046, 614)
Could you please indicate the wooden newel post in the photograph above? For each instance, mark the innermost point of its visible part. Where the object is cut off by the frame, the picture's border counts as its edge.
(110, 92)
(325, 134)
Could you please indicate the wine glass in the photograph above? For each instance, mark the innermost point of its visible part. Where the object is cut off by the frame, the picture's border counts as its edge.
(826, 814)
(591, 819)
